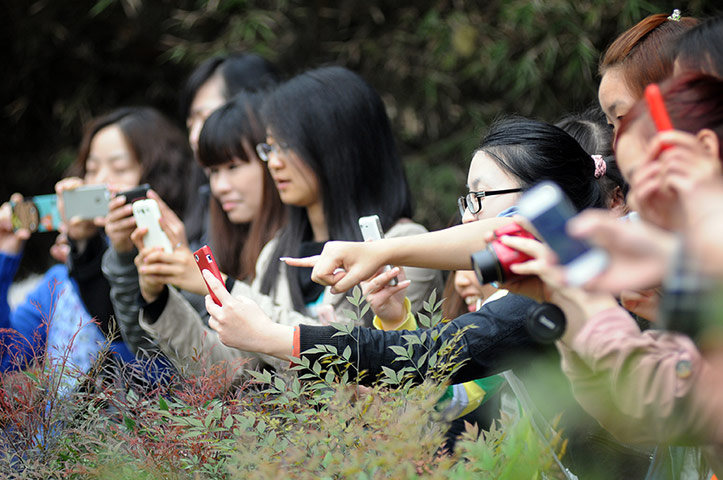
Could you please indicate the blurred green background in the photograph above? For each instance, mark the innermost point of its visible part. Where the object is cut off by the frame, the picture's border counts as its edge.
(445, 69)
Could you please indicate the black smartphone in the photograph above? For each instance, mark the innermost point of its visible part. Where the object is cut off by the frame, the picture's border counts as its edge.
(138, 193)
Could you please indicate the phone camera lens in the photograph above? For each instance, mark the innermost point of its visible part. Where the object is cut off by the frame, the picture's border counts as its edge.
(196, 256)
(208, 257)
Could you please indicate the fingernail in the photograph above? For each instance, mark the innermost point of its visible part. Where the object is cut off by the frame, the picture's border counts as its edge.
(283, 259)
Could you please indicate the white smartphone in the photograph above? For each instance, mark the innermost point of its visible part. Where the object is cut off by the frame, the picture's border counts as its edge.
(147, 214)
(371, 229)
(548, 209)
(86, 202)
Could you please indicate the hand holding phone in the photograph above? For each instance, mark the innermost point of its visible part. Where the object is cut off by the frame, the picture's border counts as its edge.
(36, 214)
(548, 209)
(371, 229)
(206, 261)
(147, 215)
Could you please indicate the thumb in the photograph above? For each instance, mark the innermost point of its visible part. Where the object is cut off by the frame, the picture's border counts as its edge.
(217, 287)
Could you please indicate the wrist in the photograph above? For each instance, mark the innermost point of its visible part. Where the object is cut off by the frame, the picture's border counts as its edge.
(277, 340)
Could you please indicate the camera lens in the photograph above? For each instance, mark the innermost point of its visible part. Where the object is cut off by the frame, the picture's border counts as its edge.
(486, 266)
(197, 259)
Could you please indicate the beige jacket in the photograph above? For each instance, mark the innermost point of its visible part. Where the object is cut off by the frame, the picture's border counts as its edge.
(193, 347)
(646, 387)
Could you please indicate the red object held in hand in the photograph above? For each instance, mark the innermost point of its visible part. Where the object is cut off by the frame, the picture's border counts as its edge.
(657, 110)
(206, 261)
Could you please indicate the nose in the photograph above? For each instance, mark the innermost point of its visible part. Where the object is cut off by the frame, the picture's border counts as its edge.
(103, 175)
(461, 280)
(275, 161)
(219, 182)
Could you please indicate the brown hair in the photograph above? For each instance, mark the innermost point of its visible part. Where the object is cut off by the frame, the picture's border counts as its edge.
(156, 144)
(231, 134)
(645, 52)
(693, 101)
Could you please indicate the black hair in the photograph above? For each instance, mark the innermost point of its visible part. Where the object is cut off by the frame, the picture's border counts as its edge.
(159, 147)
(240, 71)
(590, 129)
(699, 49)
(592, 132)
(533, 151)
(231, 134)
(337, 125)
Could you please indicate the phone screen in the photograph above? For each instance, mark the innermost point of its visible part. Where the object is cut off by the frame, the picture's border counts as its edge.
(551, 225)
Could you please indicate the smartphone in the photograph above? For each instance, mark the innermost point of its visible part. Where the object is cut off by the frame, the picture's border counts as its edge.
(371, 229)
(656, 105)
(205, 261)
(147, 214)
(37, 214)
(86, 202)
(135, 194)
(548, 209)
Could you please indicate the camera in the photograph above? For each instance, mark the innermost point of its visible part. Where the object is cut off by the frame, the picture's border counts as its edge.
(493, 263)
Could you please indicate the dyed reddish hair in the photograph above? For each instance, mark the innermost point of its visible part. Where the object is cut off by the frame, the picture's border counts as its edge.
(645, 52)
(694, 102)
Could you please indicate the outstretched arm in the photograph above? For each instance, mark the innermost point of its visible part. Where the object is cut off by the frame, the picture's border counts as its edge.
(345, 264)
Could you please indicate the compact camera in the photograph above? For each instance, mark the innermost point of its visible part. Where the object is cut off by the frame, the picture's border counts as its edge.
(493, 263)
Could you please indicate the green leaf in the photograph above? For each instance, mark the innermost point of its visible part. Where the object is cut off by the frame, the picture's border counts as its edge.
(129, 423)
(162, 404)
(264, 377)
(346, 354)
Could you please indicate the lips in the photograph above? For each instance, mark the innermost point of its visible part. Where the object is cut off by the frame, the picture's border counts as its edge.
(472, 301)
(228, 205)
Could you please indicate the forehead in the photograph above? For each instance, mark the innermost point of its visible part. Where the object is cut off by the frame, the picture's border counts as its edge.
(486, 174)
(613, 93)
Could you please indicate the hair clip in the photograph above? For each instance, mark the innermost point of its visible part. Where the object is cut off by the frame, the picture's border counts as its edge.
(675, 16)
(600, 165)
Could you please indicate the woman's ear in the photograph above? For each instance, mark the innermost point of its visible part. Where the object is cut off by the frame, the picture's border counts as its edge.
(617, 204)
(710, 142)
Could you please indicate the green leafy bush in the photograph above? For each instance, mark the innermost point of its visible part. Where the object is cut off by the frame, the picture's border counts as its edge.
(312, 421)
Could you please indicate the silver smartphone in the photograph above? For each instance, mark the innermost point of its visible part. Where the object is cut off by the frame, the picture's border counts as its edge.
(371, 229)
(86, 202)
(548, 209)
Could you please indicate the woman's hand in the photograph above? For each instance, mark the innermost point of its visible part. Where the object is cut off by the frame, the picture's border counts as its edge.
(387, 301)
(170, 222)
(639, 252)
(242, 324)
(343, 264)
(151, 285)
(539, 276)
(78, 229)
(119, 224)
(11, 242)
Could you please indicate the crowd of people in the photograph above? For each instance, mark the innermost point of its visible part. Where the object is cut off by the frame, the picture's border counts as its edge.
(274, 174)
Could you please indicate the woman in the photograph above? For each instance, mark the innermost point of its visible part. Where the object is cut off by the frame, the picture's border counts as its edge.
(122, 149)
(668, 392)
(516, 154)
(639, 56)
(330, 151)
(213, 83)
(245, 214)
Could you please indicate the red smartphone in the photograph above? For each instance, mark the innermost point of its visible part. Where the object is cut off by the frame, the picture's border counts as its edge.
(657, 110)
(205, 261)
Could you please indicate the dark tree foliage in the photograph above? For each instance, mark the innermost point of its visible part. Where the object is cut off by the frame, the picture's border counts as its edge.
(445, 68)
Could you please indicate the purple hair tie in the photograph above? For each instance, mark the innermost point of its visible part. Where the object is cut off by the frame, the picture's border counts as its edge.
(600, 165)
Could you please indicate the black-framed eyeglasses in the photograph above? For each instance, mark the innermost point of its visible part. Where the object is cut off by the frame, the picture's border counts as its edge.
(473, 200)
(263, 150)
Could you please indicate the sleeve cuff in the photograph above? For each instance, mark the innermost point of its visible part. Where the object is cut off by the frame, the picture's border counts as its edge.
(410, 323)
(296, 351)
(154, 309)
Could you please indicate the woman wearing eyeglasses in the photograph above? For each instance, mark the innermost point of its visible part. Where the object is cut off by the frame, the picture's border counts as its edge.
(331, 154)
